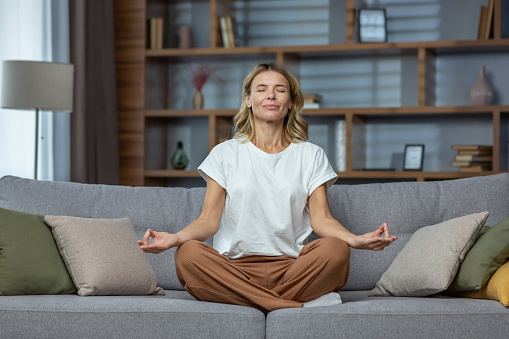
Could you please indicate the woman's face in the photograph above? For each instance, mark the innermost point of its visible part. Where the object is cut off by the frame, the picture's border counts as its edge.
(270, 97)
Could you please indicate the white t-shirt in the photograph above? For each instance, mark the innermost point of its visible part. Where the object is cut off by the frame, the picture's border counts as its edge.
(266, 210)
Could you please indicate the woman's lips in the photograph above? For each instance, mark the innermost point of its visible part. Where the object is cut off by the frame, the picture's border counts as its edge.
(271, 106)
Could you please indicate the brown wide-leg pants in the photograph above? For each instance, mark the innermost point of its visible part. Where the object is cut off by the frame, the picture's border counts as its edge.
(266, 283)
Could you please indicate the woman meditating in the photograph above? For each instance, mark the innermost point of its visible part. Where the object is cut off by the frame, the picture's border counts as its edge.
(266, 192)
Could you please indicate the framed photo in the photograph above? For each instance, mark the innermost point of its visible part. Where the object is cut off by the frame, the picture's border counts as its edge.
(413, 158)
(372, 25)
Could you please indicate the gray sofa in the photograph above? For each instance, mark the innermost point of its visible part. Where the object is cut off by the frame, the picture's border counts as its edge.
(406, 206)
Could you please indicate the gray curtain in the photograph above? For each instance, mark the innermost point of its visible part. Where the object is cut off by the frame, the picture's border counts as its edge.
(60, 51)
(94, 125)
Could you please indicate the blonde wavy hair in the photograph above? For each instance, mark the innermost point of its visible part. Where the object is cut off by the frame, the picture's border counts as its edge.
(295, 127)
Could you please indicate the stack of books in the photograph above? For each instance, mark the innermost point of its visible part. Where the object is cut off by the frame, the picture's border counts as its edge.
(473, 158)
(312, 101)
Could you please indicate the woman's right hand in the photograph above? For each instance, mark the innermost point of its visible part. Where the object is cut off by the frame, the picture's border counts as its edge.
(162, 241)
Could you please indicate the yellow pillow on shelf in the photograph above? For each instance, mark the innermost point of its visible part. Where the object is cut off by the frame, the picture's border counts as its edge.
(497, 287)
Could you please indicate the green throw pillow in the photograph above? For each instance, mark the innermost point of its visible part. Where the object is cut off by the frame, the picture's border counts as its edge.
(484, 229)
(489, 253)
(30, 262)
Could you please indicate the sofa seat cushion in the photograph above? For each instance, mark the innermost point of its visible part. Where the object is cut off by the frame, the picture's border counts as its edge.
(169, 316)
(392, 317)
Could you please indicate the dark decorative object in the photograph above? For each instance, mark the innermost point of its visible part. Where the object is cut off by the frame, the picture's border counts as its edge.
(482, 93)
(201, 75)
(179, 160)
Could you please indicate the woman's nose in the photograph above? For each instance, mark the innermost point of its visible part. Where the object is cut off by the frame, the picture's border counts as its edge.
(271, 95)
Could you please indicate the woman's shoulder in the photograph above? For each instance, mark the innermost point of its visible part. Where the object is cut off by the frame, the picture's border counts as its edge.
(309, 147)
(231, 145)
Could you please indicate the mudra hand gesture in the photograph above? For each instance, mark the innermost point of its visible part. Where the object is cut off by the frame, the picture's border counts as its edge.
(373, 240)
(162, 241)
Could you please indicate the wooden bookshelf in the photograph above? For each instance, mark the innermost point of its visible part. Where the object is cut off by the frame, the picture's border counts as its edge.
(142, 79)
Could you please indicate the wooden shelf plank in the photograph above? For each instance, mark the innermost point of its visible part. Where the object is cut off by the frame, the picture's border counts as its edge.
(449, 46)
(419, 176)
(410, 175)
(171, 174)
(410, 110)
(182, 113)
(221, 51)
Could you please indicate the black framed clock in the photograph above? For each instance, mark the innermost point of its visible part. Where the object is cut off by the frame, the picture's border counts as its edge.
(372, 25)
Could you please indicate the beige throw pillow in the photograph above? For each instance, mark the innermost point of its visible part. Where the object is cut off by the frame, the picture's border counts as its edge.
(102, 256)
(429, 261)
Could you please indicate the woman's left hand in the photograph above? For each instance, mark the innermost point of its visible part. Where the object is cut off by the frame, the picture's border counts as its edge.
(373, 240)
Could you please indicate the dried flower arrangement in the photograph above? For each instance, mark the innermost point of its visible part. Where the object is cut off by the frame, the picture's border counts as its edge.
(202, 74)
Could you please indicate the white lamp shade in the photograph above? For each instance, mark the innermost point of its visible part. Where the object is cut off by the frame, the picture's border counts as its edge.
(34, 84)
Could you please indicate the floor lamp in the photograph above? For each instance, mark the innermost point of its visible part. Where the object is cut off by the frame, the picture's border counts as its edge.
(37, 85)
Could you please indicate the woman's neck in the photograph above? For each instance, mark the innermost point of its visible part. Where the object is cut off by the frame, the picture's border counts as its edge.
(270, 140)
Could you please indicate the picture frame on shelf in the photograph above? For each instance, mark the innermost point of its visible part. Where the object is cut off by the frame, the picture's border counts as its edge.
(372, 25)
(413, 158)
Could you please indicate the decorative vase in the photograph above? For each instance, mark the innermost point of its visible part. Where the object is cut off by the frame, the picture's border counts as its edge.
(198, 100)
(482, 93)
(179, 160)
(185, 37)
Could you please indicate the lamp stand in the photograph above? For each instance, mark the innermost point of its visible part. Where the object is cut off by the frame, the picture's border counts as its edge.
(36, 141)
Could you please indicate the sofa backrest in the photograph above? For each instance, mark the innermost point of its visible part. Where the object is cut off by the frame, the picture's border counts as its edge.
(161, 209)
(405, 206)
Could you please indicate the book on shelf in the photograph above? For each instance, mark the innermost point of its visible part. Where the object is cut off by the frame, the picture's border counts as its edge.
(485, 30)
(231, 32)
(228, 29)
(472, 148)
(470, 163)
(223, 25)
(155, 32)
(472, 166)
(312, 98)
(489, 20)
(477, 168)
(311, 105)
(471, 157)
(475, 152)
(482, 22)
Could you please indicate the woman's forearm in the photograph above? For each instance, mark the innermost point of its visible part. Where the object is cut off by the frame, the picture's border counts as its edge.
(330, 227)
(200, 229)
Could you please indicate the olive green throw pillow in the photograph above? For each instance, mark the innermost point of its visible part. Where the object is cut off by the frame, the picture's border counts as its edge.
(487, 255)
(29, 259)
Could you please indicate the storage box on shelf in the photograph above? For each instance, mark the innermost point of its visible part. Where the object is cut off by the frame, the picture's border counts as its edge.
(149, 79)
